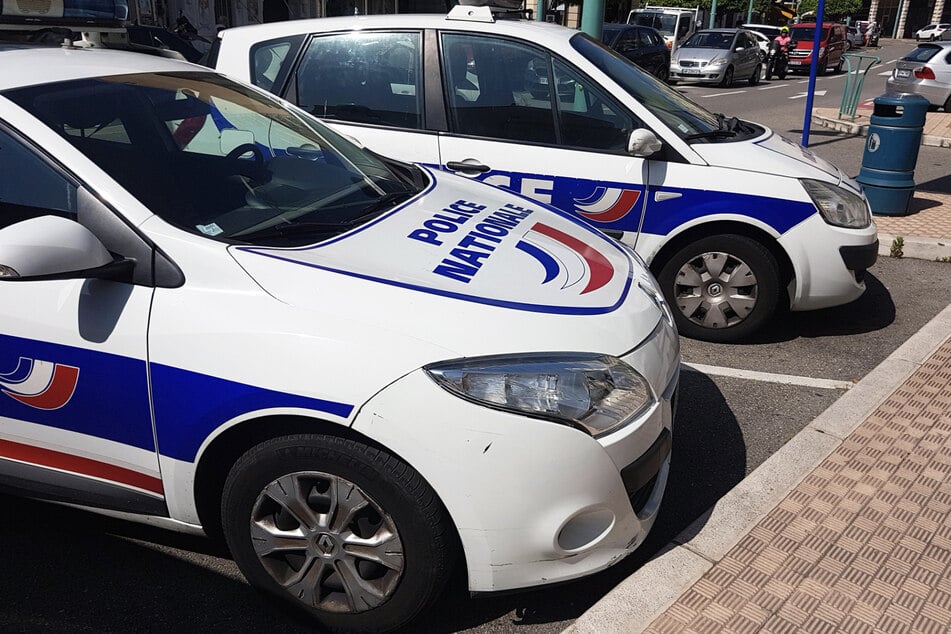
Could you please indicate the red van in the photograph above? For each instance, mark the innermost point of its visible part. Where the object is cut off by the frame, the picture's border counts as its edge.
(832, 45)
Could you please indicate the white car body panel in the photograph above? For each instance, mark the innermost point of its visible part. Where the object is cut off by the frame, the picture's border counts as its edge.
(338, 334)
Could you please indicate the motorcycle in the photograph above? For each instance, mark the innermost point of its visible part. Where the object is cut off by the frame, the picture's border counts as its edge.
(777, 60)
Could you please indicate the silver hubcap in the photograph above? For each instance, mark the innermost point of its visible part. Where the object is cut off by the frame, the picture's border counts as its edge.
(716, 290)
(326, 542)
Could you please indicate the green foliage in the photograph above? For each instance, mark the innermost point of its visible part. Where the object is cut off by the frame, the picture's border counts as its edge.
(898, 245)
(835, 9)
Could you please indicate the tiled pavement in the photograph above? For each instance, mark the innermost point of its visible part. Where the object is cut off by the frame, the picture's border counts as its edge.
(862, 544)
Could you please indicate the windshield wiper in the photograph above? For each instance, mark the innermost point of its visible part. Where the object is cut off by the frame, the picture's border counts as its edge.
(299, 229)
(727, 127)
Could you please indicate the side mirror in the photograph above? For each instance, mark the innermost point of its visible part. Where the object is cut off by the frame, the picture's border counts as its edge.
(643, 143)
(54, 248)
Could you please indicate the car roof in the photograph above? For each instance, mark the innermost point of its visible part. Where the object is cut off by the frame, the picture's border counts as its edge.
(550, 35)
(29, 66)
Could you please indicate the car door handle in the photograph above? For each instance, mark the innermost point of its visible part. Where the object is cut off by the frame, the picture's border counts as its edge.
(459, 166)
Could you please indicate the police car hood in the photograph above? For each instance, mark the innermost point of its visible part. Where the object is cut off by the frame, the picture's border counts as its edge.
(463, 258)
(770, 153)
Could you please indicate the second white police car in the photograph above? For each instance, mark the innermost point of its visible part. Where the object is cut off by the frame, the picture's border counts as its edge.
(218, 315)
(734, 219)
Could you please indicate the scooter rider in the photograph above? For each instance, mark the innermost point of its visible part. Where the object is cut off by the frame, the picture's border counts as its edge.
(783, 39)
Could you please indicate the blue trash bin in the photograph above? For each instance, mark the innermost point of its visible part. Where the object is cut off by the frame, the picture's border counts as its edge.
(891, 152)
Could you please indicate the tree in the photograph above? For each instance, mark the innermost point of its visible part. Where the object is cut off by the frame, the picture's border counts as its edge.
(834, 9)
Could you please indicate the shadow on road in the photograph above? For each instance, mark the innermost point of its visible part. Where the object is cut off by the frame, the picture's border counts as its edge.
(69, 571)
(874, 310)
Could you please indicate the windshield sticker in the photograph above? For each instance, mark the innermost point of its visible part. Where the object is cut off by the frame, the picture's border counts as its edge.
(210, 230)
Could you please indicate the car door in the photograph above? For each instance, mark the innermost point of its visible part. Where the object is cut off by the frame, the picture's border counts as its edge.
(75, 418)
(370, 85)
(566, 146)
(653, 51)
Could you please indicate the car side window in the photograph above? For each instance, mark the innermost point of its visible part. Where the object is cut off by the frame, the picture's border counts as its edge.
(644, 38)
(629, 40)
(363, 77)
(271, 61)
(29, 186)
(500, 89)
(588, 117)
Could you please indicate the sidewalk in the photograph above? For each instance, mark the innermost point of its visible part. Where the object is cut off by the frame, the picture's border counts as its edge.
(926, 231)
(847, 528)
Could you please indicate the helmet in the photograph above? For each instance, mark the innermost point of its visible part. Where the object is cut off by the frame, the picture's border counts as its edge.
(784, 30)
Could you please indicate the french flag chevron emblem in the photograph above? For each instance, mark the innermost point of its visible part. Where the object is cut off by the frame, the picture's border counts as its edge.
(566, 258)
(607, 204)
(40, 384)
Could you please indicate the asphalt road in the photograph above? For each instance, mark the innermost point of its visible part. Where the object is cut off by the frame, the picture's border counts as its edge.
(68, 571)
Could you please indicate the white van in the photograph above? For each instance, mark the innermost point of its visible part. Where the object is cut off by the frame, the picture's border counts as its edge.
(734, 219)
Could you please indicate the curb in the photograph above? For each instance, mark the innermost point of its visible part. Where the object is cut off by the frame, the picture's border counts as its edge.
(917, 248)
(642, 597)
(861, 129)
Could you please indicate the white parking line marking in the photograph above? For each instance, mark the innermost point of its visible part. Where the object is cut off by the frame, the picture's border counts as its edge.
(771, 87)
(892, 61)
(887, 72)
(721, 94)
(769, 377)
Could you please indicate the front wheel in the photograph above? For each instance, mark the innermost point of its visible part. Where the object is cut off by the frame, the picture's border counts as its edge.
(721, 288)
(727, 80)
(344, 531)
(754, 78)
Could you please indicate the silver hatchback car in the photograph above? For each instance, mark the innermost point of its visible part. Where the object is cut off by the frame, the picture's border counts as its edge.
(718, 55)
(925, 71)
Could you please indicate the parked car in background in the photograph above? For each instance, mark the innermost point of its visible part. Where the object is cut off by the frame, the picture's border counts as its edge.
(734, 219)
(933, 32)
(718, 56)
(218, 315)
(763, 42)
(642, 45)
(832, 46)
(855, 37)
(768, 30)
(925, 71)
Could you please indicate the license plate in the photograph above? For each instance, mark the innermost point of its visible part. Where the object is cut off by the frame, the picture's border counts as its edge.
(689, 71)
(793, 62)
(902, 73)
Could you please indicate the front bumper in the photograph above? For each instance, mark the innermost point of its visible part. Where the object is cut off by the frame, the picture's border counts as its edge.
(829, 262)
(697, 73)
(534, 502)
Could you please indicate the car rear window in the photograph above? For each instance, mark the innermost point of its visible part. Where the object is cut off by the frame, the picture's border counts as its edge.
(922, 53)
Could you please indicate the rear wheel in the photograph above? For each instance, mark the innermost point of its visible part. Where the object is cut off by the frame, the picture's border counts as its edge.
(838, 67)
(721, 288)
(727, 80)
(663, 74)
(339, 529)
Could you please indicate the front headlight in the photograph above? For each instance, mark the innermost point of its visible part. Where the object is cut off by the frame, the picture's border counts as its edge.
(596, 393)
(717, 61)
(838, 206)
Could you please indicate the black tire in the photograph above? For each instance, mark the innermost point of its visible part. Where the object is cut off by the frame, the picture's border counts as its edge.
(823, 67)
(838, 67)
(754, 78)
(393, 503)
(703, 307)
(663, 74)
(727, 80)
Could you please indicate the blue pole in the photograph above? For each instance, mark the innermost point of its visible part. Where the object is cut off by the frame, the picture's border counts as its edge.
(812, 73)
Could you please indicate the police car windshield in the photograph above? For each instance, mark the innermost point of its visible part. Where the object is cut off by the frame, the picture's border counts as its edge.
(682, 116)
(219, 159)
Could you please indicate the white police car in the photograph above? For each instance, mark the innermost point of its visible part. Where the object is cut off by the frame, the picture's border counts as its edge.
(216, 314)
(734, 219)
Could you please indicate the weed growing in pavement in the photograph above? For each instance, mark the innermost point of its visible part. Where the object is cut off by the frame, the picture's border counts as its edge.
(944, 258)
(897, 247)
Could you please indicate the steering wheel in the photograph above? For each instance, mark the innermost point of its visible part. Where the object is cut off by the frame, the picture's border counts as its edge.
(258, 170)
